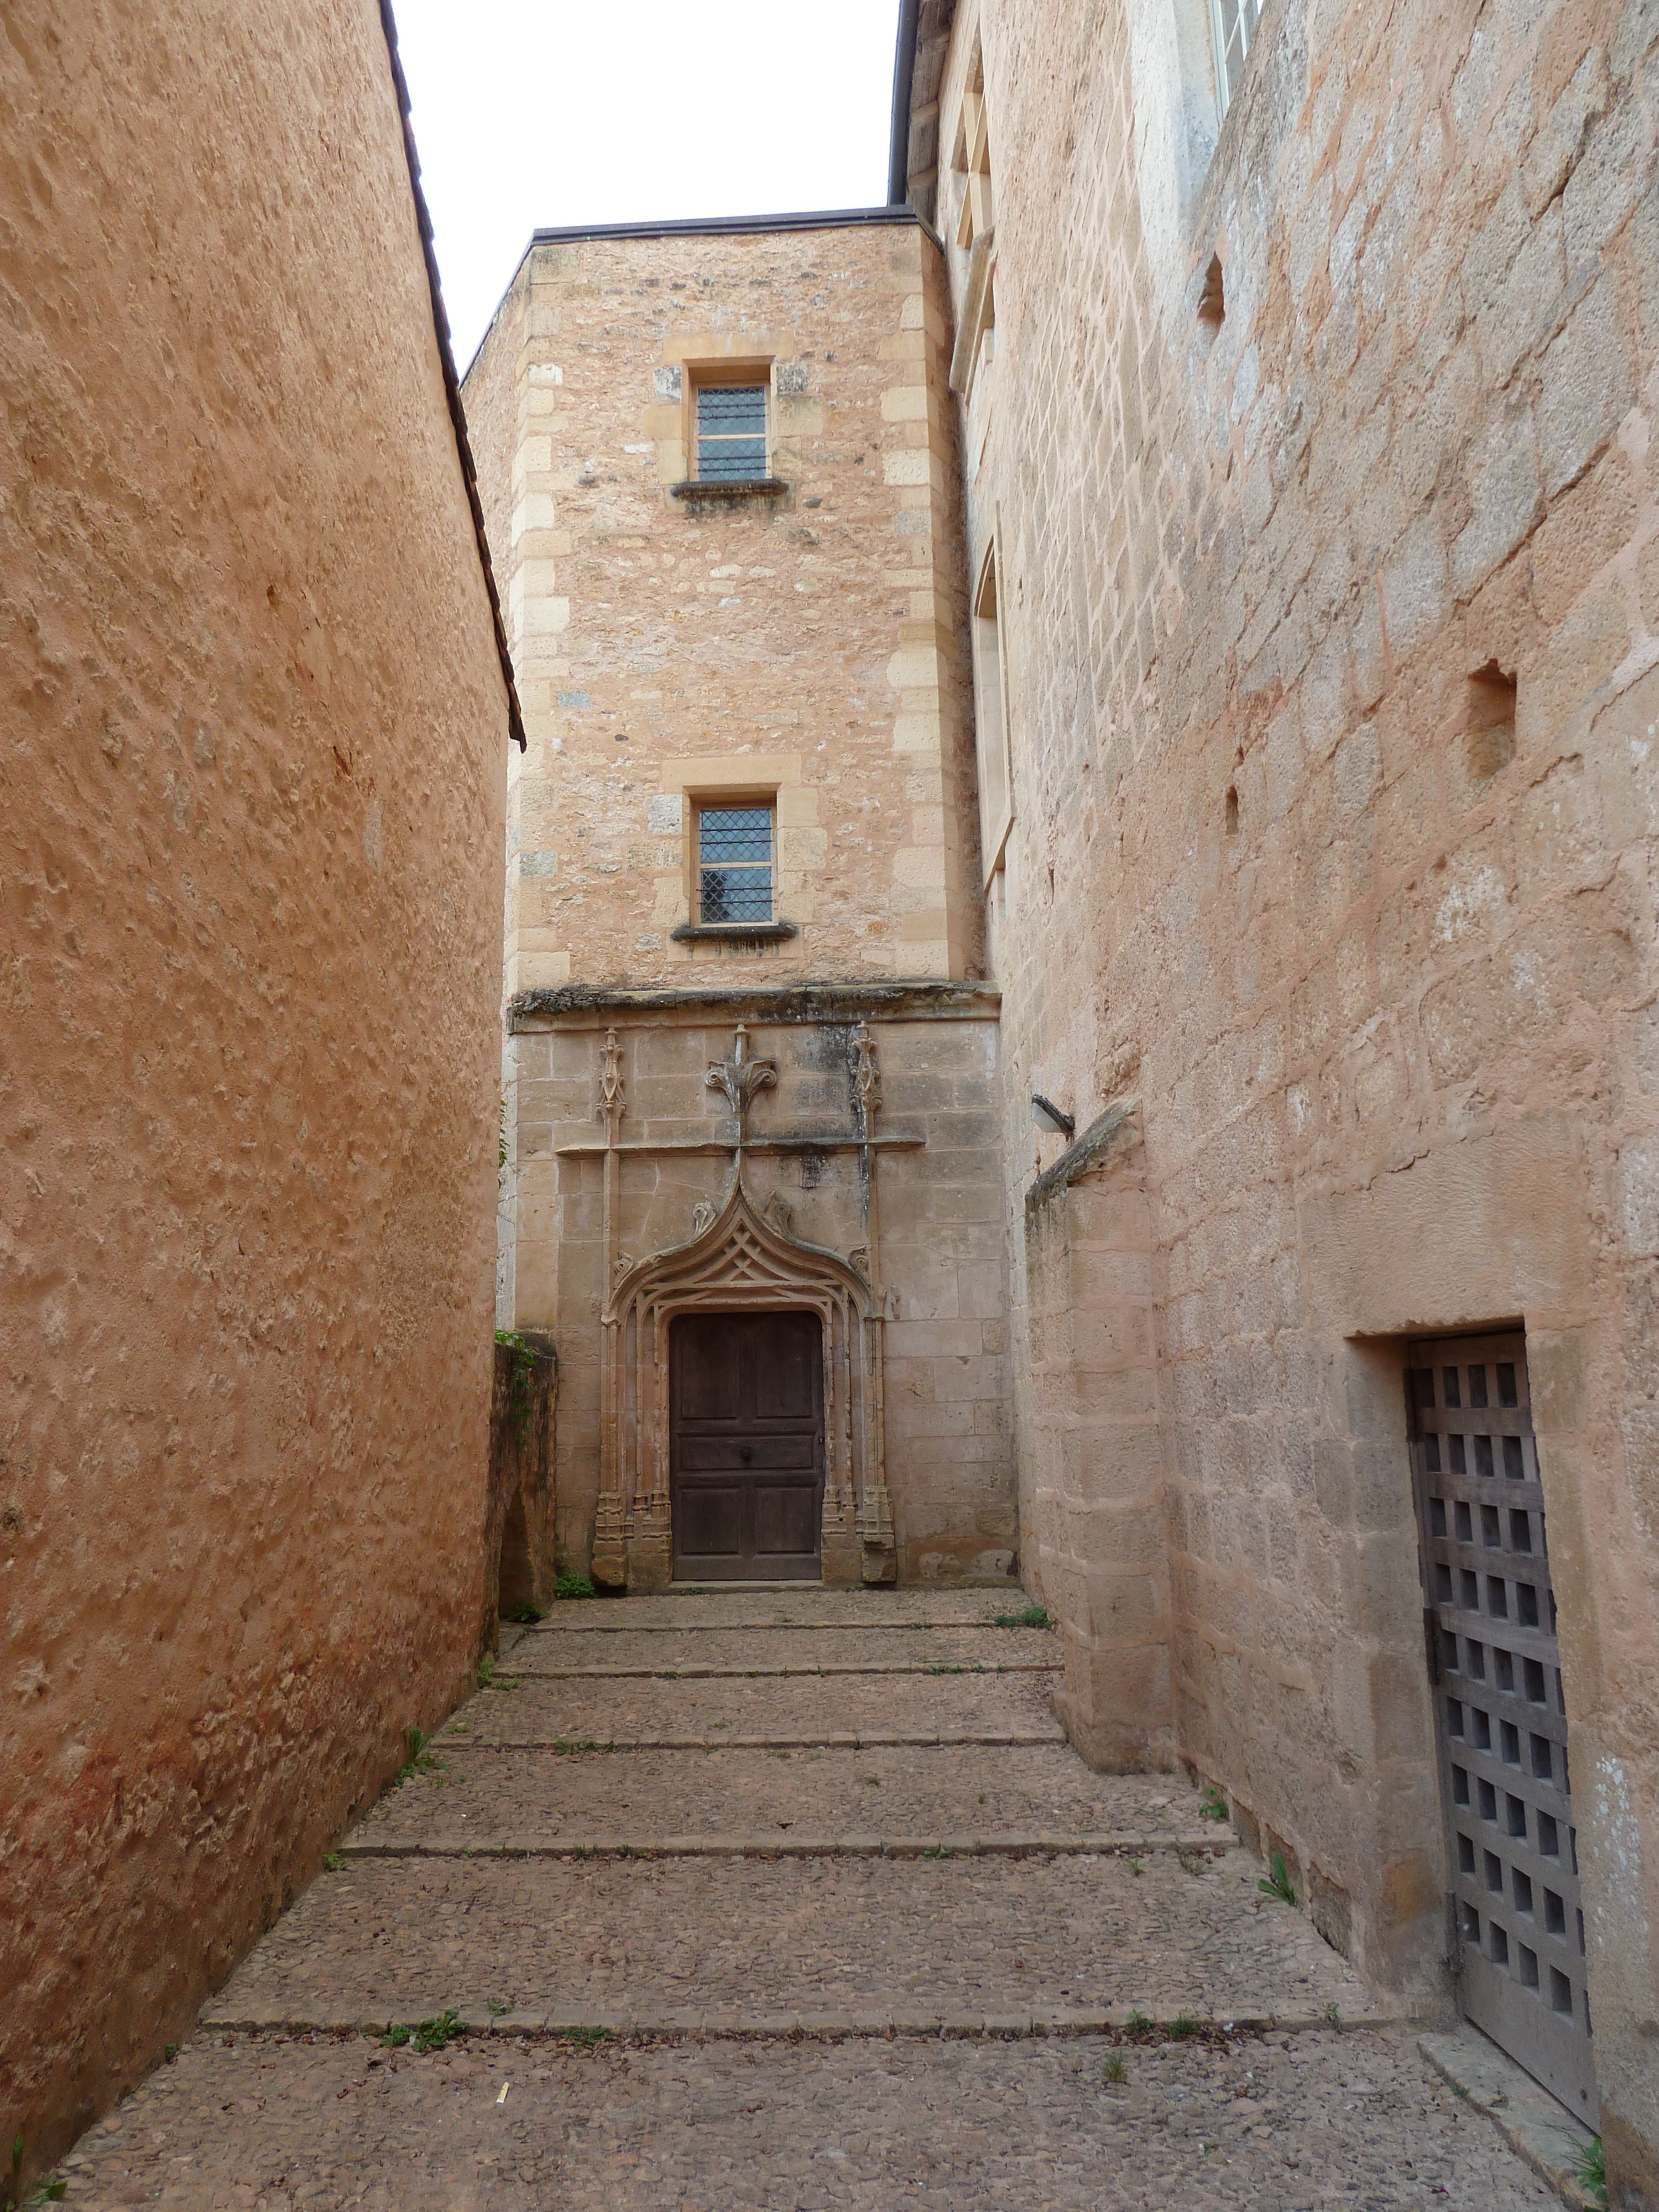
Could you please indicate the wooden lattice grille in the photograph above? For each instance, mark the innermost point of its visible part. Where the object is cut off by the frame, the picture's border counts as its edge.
(1501, 1716)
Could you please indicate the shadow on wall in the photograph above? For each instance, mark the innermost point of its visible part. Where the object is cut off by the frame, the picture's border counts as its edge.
(519, 1529)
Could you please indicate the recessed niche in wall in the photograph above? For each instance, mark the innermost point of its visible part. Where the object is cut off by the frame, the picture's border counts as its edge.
(1211, 301)
(1489, 722)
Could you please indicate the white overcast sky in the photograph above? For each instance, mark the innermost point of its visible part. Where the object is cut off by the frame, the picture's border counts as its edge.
(549, 111)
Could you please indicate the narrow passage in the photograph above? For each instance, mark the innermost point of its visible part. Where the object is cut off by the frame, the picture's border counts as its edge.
(781, 1899)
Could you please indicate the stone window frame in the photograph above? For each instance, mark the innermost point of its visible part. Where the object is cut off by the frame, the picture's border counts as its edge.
(975, 228)
(703, 375)
(694, 928)
(993, 753)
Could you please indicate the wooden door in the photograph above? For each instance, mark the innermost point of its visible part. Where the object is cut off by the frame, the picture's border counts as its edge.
(1500, 1715)
(746, 1436)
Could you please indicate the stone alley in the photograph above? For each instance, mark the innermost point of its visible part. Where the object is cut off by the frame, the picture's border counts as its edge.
(791, 1898)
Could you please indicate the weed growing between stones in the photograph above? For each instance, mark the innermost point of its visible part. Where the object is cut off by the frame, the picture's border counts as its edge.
(586, 2037)
(1035, 1616)
(436, 2034)
(421, 1759)
(334, 1862)
(1593, 2170)
(1211, 1806)
(526, 1615)
(1115, 2069)
(1277, 1882)
(570, 1585)
(1182, 2027)
(486, 1672)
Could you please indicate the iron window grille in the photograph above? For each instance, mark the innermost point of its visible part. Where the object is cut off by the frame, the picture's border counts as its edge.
(731, 432)
(734, 865)
(1233, 23)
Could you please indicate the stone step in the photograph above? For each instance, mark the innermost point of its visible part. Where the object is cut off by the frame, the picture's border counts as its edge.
(785, 1651)
(843, 1709)
(739, 1941)
(795, 1605)
(962, 2122)
(959, 2123)
(930, 1791)
(1033, 1843)
(690, 1671)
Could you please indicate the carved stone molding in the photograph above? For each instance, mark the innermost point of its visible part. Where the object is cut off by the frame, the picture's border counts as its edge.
(742, 1260)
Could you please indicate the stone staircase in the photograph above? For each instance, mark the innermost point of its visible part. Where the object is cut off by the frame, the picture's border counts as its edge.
(788, 1897)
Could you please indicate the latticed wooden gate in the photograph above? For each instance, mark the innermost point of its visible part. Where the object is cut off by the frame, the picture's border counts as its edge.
(1501, 1718)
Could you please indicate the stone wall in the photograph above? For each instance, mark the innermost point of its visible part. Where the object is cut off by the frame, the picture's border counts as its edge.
(808, 644)
(935, 1254)
(1300, 454)
(250, 807)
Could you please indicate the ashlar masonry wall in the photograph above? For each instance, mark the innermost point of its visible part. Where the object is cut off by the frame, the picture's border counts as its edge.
(251, 792)
(1367, 946)
(807, 643)
(918, 1217)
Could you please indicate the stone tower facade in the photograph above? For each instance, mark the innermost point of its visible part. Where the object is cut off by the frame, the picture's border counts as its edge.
(751, 1063)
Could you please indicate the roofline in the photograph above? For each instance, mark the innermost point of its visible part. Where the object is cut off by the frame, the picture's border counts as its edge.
(904, 70)
(451, 382)
(728, 226)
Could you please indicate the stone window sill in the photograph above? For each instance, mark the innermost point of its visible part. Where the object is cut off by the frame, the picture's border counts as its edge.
(733, 932)
(713, 488)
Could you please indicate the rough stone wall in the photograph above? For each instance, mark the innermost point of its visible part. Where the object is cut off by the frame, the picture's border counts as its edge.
(251, 805)
(1377, 962)
(941, 1245)
(811, 644)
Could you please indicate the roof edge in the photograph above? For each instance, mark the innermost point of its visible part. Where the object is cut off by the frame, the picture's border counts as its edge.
(451, 382)
(904, 70)
(727, 226)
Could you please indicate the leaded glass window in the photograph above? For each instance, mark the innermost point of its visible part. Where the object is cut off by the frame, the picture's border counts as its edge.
(731, 432)
(734, 864)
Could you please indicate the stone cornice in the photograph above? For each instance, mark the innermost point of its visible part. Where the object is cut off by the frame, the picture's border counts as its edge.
(580, 1006)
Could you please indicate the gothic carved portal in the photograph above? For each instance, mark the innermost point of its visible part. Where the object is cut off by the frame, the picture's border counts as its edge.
(740, 1263)
(742, 1260)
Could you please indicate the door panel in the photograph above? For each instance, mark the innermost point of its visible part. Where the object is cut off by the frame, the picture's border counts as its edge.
(1500, 1717)
(746, 1440)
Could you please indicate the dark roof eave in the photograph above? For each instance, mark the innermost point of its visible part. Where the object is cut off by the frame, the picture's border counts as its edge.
(727, 226)
(451, 382)
(904, 69)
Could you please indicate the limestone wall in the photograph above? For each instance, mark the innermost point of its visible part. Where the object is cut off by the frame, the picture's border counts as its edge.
(808, 645)
(1371, 952)
(938, 1235)
(251, 803)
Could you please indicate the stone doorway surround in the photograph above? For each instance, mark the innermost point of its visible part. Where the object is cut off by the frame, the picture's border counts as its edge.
(740, 1262)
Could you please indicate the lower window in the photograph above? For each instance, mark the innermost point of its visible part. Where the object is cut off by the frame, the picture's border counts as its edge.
(734, 865)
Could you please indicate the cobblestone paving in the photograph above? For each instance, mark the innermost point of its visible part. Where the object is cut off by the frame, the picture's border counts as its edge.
(912, 1792)
(808, 1709)
(1288, 2124)
(811, 2032)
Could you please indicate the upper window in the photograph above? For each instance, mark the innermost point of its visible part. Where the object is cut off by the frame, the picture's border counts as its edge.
(996, 795)
(972, 159)
(734, 864)
(730, 432)
(971, 164)
(1233, 23)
